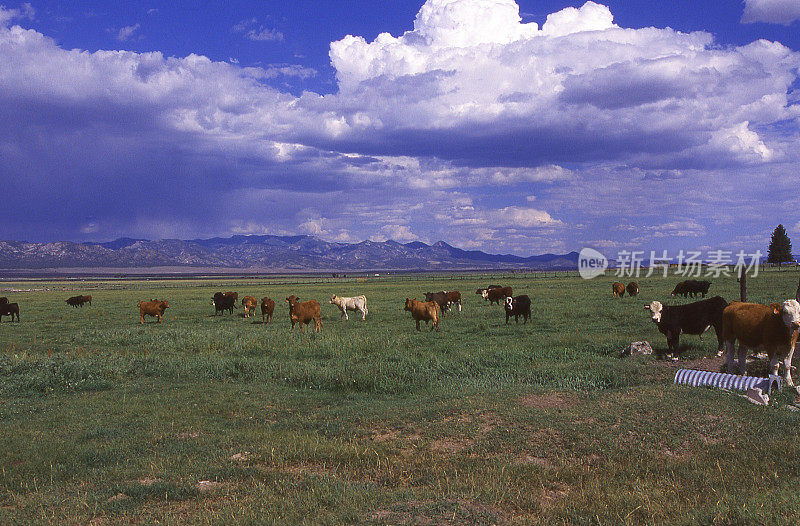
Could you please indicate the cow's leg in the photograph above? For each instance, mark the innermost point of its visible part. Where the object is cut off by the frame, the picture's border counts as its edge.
(364, 314)
(141, 319)
(720, 343)
(731, 352)
(787, 362)
(742, 359)
(345, 315)
(673, 342)
(159, 318)
(418, 329)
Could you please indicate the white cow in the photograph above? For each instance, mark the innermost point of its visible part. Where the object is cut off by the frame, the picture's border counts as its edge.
(355, 303)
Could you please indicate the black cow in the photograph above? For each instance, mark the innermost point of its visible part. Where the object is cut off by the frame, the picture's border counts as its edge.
(9, 309)
(692, 318)
(223, 302)
(5, 300)
(518, 306)
(698, 287)
(75, 301)
(691, 288)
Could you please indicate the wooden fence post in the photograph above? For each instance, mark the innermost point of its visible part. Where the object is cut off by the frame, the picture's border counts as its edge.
(743, 284)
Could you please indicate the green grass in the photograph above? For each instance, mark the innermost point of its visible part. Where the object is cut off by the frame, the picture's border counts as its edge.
(104, 420)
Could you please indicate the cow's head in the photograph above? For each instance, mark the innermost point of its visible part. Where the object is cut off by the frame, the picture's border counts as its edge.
(485, 294)
(790, 312)
(292, 300)
(409, 304)
(655, 309)
(333, 299)
(509, 303)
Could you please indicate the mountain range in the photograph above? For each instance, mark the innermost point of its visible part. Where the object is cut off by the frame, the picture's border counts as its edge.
(267, 252)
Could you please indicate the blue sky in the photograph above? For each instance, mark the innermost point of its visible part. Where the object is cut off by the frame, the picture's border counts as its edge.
(523, 127)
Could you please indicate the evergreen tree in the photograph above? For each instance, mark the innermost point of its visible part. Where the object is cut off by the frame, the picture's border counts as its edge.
(780, 247)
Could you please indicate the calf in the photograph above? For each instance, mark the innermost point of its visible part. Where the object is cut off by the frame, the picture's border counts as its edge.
(692, 318)
(440, 298)
(424, 311)
(9, 309)
(617, 289)
(496, 294)
(453, 298)
(354, 303)
(772, 328)
(519, 306)
(154, 308)
(249, 304)
(267, 306)
(632, 289)
(223, 302)
(303, 313)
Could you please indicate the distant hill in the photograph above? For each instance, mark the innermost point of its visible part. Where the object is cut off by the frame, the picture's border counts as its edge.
(306, 253)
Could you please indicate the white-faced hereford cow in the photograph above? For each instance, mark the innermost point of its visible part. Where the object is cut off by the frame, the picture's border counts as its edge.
(772, 328)
(497, 294)
(518, 306)
(692, 318)
(354, 303)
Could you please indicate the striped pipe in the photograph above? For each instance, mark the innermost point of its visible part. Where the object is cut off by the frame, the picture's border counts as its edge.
(727, 381)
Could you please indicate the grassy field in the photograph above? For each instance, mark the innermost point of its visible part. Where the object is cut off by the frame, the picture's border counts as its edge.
(223, 420)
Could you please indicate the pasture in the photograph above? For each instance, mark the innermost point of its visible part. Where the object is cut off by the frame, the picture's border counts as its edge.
(220, 419)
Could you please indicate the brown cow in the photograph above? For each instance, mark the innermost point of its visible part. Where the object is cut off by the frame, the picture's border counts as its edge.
(617, 289)
(423, 310)
(9, 309)
(303, 313)
(267, 306)
(87, 299)
(633, 289)
(453, 297)
(154, 308)
(439, 298)
(772, 328)
(249, 304)
(234, 295)
(498, 294)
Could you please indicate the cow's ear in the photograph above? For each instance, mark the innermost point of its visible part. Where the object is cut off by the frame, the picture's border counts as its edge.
(647, 307)
(775, 308)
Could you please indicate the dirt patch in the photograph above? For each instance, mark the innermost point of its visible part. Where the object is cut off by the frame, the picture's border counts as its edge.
(148, 481)
(552, 400)
(208, 486)
(701, 364)
(536, 461)
(118, 497)
(451, 445)
(437, 512)
(309, 468)
(552, 494)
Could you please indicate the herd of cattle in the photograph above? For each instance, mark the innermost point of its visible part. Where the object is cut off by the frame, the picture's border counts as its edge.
(773, 329)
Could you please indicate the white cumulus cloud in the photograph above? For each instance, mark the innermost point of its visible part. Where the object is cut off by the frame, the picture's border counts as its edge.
(771, 11)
